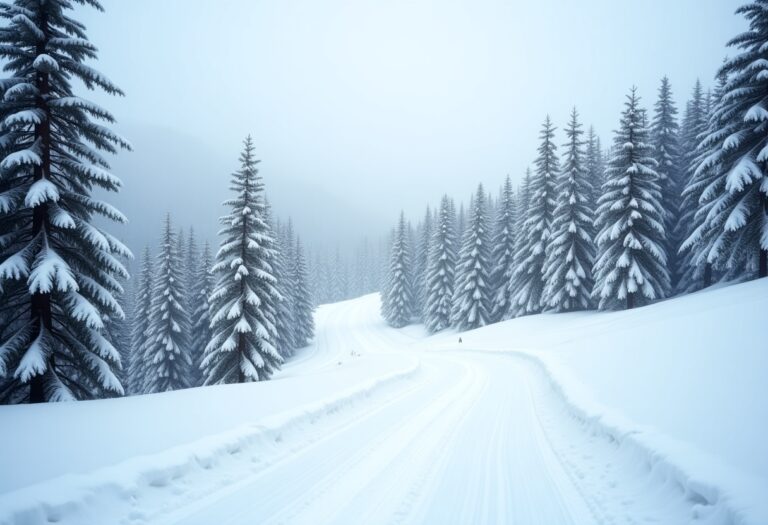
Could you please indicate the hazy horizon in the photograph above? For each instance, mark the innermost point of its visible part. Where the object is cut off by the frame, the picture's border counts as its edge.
(360, 109)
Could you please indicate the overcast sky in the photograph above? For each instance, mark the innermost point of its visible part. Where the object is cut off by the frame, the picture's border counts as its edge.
(360, 108)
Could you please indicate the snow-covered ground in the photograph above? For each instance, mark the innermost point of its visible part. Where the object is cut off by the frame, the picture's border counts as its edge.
(654, 415)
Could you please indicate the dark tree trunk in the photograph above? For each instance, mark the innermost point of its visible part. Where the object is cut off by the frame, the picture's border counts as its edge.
(763, 269)
(40, 306)
(630, 301)
(707, 277)
(241, 350)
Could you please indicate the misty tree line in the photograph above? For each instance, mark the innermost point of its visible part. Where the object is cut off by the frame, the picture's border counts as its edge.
(672, 207)
(339, 276)
(223, 318)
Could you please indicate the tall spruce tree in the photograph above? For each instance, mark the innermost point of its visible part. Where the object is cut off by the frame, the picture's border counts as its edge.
(200, 314)
(118, 333)
(166, 352)
(284, 322)
(735, 165)
(421, 261)
(302, 303)
(521, 211)
(691, 276)
(461, 222)
(503, 251)
(58, 270)
(398, 297)
(665, 137)
(630, 269)
(570, 252)
(537, 229)
(441, 269)
(595, 166)
(191, 263)
(472, 293)
(243, 303)
(137, 367)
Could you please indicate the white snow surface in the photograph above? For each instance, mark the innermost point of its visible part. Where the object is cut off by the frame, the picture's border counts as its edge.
(658, 415)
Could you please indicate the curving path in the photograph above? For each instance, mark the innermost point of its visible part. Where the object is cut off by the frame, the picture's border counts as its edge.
(472, 438)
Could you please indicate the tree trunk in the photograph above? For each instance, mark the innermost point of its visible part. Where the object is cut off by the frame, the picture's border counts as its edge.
(241, 351)
(40, 303)
(763, 269)
(707, 277)
(630, 301)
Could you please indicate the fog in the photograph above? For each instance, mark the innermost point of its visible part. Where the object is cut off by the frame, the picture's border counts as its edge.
(361, 108)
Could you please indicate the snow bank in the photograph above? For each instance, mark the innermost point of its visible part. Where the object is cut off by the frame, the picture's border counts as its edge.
(682, 385)
(77, 498)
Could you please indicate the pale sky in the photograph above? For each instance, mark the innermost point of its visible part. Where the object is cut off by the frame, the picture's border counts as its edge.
(361, 108)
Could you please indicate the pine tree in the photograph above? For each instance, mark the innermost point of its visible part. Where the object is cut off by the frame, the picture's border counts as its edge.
(191, 263)
(594, 165)
(137, 367)
(664, 133)
(461, 222)
(421, 261)
(166, 351)
(707, 182)
(691, 277)
(118, 333)
(284, 322)
(303, 308)
(734, 200)
(630, 269)
(441, 269)
(472, 293)
(537, 229)
(398, 297)
(200, 317)
(58, 271)
(502, 257)
(522, 200)
(570, 252)
(244, 300)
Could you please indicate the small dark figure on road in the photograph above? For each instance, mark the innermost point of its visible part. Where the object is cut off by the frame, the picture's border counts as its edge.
(459, 339)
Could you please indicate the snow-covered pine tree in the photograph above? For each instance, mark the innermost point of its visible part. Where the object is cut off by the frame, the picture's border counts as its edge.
(137, 366)
(461, 222)
(58, 271)
(283, 309)
(471, 306)
(166, 353)
(118, 333)
(523, 201)
(521, 210)
(570, 252)
(191, 263)
(421, 261)
(200, 314)
(243, 301)
(181, 249)
(398, 296)
(303, 308)
(595, 167)
(441, 269)
(319, 278)
(630, 269)
(690, 277)
(537, 228)
(503, 252)
(735, 200)
(665, 137)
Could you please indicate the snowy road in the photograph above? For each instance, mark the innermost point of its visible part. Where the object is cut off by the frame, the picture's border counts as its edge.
(375, 425)
(472, 438)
